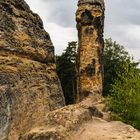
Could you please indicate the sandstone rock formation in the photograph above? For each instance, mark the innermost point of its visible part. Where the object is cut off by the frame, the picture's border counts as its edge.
(29, 86)
(31, 99)
(62, 123)
(90, 23)
(83, 121)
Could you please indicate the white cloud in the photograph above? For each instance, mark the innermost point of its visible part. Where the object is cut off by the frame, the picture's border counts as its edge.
(128, 36)
(123, 25)
(60, 36)
(122, 22)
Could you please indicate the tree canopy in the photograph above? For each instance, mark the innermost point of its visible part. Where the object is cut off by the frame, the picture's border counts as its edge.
(121, 80)
(124, 95)
(113, 55)
(121, 83)
(66, 69)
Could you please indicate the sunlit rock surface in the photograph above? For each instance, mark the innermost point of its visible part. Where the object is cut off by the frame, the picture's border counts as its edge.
(29, 86)
(90, 24)
(83, 121)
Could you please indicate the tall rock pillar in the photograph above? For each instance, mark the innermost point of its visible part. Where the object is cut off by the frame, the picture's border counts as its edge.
(90, 24)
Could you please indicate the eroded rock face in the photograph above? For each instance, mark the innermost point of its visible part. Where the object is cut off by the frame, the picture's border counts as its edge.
(90, 23)
(61, 124)
(83, 121)
(29, 86)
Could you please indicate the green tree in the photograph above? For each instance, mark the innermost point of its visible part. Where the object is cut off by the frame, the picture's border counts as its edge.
(113, 55)
(66, 70)
(124, 99)
(121, 80)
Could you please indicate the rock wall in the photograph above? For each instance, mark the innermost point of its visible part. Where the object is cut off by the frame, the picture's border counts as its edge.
(90, 23)
(29, 86)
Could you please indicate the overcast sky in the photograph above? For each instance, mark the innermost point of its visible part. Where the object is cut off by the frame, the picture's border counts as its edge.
(122, 22)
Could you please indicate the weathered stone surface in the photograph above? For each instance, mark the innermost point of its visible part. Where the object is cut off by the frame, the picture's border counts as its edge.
(22, 32)
(90, 23)
(29, 86)
(60, 124)
(82, 121)
(98, 129)
(101, 2)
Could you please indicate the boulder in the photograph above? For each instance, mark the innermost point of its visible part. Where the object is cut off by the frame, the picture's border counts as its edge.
(83, 121)
(29, 86)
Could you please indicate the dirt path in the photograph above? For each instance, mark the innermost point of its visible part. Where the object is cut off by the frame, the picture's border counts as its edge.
(98, 129)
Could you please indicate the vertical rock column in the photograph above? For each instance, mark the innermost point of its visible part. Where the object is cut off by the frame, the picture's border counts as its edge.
(90, 23)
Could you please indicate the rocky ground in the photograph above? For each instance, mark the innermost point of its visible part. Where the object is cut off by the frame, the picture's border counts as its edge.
(99, 129)
(84, 121)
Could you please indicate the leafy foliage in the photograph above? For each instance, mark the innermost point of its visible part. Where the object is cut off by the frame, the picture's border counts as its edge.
(124, 99)
(113, 55)
(121, 83)
(121, 80)
(66, 70)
